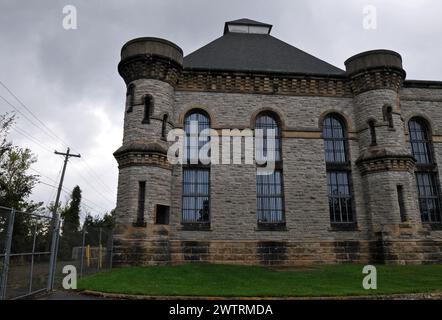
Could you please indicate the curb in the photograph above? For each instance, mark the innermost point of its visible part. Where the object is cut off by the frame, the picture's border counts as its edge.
(121, 296)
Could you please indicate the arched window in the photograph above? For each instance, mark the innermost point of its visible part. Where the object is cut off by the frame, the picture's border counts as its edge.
(196, 177)
(270, 187)
(130, 96)
(148, 108)
(426, 171)
(388, 116)
(338, 170)
(372, 127)
(164, 126)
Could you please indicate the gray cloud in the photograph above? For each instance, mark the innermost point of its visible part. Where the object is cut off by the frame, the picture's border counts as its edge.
(69, 78)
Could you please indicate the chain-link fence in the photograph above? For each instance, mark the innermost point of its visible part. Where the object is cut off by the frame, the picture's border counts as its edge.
(33, 256)
(25, 243)
(89, 250)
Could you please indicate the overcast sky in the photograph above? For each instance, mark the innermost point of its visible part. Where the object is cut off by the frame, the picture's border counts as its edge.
(69, 79)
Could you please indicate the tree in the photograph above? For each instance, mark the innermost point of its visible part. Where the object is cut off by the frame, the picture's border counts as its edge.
(16, 186)
(15, 181)
(6, 122)
(70, 230)
(99, 228)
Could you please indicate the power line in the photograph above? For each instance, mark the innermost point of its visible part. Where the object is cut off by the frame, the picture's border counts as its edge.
(50, 134)
(27, 135)
(66, 190)
(69, 192)
(35, 117)
(93, 188)
(91, 171)
(24, 116)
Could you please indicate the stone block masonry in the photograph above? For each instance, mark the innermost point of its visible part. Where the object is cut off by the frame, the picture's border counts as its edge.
(387, 228)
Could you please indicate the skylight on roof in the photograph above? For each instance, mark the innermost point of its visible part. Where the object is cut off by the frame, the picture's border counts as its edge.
(248, 29)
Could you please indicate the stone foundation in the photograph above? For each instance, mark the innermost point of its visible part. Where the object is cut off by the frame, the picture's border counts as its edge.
(287, 253)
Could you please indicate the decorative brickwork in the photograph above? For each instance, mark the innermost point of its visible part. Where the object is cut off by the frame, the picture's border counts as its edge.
(386, 163)
(256, 83)
(149, 66)
(377, 79)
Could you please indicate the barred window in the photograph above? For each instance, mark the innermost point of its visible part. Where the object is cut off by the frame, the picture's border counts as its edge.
(269, 197)
(426, 172)
(420, 142)
(340, 196)
(266, 121)
(196, 177)
(196, 194)
(334, 140)
(270, 187)
(192, 144)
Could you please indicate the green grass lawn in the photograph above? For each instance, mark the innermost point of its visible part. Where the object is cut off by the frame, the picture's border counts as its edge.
(253, 281)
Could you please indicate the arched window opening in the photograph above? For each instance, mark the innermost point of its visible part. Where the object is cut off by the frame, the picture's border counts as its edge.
(372, 127)
(148, 108)
(164, 126)
(389, 116)
(427, 181)
(130, 97)
(196, 177)
(338, 171)
(270, 187)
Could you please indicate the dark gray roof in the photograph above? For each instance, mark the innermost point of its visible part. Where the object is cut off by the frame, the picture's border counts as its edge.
(256, 52)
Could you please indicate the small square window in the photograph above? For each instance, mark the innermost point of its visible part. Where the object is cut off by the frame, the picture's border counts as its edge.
(162, 214)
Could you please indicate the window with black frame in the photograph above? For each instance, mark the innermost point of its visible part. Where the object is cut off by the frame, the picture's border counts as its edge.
(338, 171)
(270, 187)
(196, 176)
(426, 171)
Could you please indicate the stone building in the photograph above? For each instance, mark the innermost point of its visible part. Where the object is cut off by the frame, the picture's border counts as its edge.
(356, 175)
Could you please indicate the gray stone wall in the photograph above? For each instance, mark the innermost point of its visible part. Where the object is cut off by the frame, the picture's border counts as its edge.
(308, 237)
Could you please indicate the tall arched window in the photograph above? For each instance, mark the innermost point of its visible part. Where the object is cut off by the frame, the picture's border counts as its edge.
(426, 171)
(338, 170)
(196, 177)
(270, 187)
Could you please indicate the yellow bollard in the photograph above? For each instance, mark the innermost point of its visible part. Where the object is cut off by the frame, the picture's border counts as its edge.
(88, 256)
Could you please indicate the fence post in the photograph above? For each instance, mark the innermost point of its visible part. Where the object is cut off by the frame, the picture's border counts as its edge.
(82, 251)
(4, 278)
(99, 252)
(54, 244)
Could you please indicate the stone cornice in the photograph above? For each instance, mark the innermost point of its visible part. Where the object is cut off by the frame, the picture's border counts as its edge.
(378, 78)
(149, 66)
(134, 158)
(264, 83)
(386, 163)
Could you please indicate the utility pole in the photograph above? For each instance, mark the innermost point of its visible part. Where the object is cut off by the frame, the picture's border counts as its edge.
(56, 219)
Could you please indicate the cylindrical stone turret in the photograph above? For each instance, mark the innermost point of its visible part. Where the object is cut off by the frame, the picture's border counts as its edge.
(150, 68)
(385, 164)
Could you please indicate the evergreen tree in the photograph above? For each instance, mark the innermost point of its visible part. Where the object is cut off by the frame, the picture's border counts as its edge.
(70, 230)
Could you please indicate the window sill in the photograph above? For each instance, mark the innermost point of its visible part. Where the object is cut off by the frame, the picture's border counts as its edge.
(197, 226)
(139, 224)
(343, 227)
(433, 225)
(271, 226)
